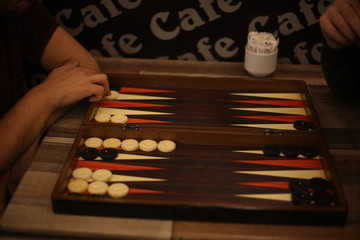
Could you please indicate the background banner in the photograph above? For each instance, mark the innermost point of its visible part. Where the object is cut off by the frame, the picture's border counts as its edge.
(204, 30)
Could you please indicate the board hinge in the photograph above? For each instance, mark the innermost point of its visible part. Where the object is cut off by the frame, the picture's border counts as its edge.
(276, 132)
(130, 126)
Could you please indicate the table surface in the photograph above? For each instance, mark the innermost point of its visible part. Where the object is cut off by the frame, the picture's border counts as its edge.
(30, 215)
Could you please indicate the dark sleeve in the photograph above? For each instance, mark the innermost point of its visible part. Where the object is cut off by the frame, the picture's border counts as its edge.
(35, 31)
(342, 71)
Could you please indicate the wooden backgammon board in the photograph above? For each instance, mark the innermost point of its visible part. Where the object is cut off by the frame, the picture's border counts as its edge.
(246, 151)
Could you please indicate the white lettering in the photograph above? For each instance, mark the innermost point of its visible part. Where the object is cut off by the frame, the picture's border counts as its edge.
(262, 20)
(158, 31)
(306, 9)
(95, 53)
(209, 10)
(289, 23)
(92, 16)
(223, 47)
(109, 45)
(316, 52)
(110, 6)
(204, 49)
(130, 4)
(187, 56)
(226, 5)
(322, 5)
(67, 13)
(127, 44)
(284, 60)
(191, 19)
(300, 53)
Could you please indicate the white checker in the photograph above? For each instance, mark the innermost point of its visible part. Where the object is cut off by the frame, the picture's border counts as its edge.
(148, 145)
(113, 95)
(118, 190)
(98, 188)
(111, 143)
(129, 145)
(102, 117)
(78, 186)
(102, 175)
(119, 118)
(93, 142)
(82, 173)
(166, 146)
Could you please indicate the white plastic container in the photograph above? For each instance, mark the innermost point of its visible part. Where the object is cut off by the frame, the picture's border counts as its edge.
(260, 64)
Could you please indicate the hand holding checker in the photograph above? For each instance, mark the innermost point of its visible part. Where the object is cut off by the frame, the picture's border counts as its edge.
(71, 83)
(42, 105)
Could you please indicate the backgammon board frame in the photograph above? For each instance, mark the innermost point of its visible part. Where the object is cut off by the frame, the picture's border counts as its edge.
(214, 83)
(207, 210)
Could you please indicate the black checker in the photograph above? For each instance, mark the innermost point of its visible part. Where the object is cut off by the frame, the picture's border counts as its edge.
(271, 150)
(301, 198)
(323, 198)
(319, 184)
(89, 153)
(309, 151)
(302, 125)
(291, 151)
(108, 154)
(297, 185)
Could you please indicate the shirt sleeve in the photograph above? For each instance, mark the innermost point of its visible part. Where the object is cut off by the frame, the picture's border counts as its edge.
(35, 30)
(342, 71)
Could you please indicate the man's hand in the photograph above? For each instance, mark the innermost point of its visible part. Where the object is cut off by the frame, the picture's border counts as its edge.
(70, 83)
(340, 24)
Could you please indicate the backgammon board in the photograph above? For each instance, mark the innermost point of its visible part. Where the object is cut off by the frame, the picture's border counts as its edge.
(220, 169)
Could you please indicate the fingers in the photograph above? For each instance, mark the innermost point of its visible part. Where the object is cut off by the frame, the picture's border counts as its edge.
(102, 87)
(71, 69)
(97, 94)
(349, 19)
(334, 37)
(70, 83)
(355, 17)
(340, 24)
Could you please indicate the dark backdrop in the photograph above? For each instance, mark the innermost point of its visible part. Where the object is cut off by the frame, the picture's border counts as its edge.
(211, 30)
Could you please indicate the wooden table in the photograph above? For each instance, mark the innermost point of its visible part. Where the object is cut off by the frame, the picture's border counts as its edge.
(30, 214)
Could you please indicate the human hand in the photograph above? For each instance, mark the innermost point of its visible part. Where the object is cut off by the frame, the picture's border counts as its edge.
(70, 83)
(340, 24)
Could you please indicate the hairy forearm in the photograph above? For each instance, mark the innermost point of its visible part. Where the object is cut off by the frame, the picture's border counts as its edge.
(21, 126)
(74, 75)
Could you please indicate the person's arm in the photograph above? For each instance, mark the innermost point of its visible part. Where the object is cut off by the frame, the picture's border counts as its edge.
(28, 119)
(341, 70)
(340, 26)
(62, 48)
(74, 75)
